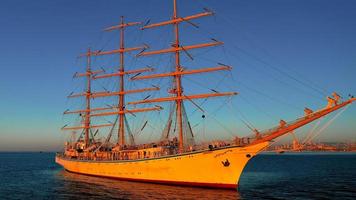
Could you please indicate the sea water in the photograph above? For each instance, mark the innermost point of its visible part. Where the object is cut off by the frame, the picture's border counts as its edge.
(267, 176)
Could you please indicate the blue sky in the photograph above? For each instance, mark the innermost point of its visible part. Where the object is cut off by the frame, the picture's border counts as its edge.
(311, 41)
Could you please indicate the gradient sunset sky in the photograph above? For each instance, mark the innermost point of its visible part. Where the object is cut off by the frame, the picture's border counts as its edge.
(269, 44)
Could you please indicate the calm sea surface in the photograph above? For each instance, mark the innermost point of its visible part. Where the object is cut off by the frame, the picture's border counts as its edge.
(267, 176)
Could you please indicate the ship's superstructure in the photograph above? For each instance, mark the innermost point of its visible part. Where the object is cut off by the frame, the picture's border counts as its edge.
(176, 160)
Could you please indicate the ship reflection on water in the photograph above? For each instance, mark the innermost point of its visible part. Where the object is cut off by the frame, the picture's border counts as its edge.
(76, 186)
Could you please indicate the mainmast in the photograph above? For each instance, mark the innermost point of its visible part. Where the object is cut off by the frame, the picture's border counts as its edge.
(121, 134)
(179, 71)
(120, 108)
(178, 82)
(87, 99)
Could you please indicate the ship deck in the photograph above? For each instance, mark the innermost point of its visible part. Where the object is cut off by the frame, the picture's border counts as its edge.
(87, 159)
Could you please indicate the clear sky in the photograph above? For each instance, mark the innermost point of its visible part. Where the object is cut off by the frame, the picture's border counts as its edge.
(269, 43)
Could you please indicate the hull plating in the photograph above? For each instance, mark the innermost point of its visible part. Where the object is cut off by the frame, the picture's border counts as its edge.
(218, 168)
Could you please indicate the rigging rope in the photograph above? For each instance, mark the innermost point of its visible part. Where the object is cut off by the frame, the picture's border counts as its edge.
(328, 123)
(232, 24)
(310, 133)
(109, 135)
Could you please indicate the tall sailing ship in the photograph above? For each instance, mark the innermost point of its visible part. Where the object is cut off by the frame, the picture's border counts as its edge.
(172, 159)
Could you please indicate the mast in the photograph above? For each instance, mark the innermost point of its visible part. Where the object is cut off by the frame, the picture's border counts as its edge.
(178, 80)
(120, 109)
(179, 71)
(87, 99)
(88, 95)
(121, 132)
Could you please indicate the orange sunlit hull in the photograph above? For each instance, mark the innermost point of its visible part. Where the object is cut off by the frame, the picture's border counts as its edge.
(201, 169)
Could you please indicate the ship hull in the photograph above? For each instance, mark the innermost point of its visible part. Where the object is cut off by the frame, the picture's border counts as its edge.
(220, 168)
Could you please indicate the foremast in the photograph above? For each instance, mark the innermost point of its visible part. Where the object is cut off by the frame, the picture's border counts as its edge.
(177, 90)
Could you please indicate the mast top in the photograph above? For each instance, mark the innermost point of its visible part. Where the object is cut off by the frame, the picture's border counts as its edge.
(122, 25)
